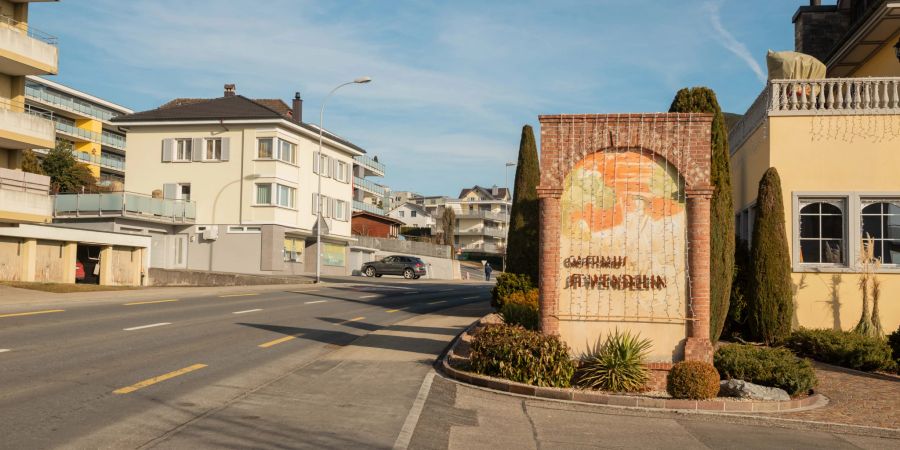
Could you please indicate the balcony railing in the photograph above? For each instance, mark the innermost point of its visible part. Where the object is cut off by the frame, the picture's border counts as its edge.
(28, 30)
(361, 206)
(72, 130)
(66, 102)
(370, 163)
(124, 204)
(487, 215)
(365, 184)
(483, 231)
(112, 162)
(824, 97)
(112, 140)
(479, 247)
(25, 195)
(28, 127)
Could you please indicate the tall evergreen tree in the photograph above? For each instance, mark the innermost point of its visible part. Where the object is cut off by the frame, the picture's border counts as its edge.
(771, 301)
(523, 238)
(721, 267)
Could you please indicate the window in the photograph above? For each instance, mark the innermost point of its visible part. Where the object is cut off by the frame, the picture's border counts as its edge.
(293, 249)
(265, 147)
(341, 172)
(340, 210)
(286, 151)
(322, 163)
(184, 192)
(822, 231)
(400, 213)
(286, 196)
(412, 214)
(213, 150)
(264, 194)
(183, 150)
(880, 221)
(249, 230)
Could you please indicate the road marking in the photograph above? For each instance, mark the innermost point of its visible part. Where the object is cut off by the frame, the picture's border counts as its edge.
(392, 310)
(369, 296)
(409, 426)
(151, 301)
(355, 319)
(409, 293)
(470, 298)
(154, 380)
(247, 311)
(276, 341)
(32, 313)
(303, 292)
(439, 301)
(238, 295)
(314, 302)
(147, 326)
(4, 350)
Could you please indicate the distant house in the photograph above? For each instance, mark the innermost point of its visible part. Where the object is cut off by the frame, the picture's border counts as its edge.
(368, 224)
(413, 215)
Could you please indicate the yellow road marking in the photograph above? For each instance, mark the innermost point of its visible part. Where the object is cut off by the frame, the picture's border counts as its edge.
(151, 301)
(355, 319)
(392, 310)
(154, 380)
(32, 313)
(277, 341)
(237, 295)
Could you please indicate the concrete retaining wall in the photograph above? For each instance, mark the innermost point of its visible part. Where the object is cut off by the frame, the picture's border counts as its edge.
(412, 248)
(173, 277)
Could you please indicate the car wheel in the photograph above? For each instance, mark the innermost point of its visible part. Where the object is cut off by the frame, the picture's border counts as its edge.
(370, 271)
(408, 273)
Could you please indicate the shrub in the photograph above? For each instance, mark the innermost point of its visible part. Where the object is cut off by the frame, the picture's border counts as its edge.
(841, 348)
(616, 364)
(770, 306)
(528, 298)
(695, 380)
(894, 342)
(508, 283)
(521, 314)
(774, 367)
(521, 355)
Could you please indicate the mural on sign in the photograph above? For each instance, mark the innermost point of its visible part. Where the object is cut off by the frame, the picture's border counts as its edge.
(333, 254)
(622, 239)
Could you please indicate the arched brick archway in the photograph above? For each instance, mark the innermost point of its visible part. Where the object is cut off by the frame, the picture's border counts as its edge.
(680, 140)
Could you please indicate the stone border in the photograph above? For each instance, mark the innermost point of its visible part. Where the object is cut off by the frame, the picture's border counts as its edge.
(444, 366)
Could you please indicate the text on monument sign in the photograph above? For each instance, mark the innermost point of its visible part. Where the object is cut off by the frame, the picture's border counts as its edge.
(609, 281)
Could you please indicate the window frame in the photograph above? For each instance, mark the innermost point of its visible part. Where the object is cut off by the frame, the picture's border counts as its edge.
(275, 195)
(867, 200)
(280, 148)
(206, 149)
(176, 150)
(843, 203)
(272, 149)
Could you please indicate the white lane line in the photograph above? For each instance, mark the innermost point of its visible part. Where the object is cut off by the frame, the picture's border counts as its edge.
(147, 326)
(247, 311)
(409, 426)
(303, 292)
(314, 302)
(470, 298)
(382, 286)
(4, 350)
(439, 301)
(370, 296)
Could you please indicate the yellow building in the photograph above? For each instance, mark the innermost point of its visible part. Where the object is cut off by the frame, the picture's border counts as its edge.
(836, 145)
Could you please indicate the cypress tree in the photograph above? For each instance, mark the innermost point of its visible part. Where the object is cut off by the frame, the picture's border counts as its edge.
(722, 240)
(523, 238)
(770, 305)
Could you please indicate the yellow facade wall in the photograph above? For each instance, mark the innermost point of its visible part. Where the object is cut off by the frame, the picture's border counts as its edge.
(883, 63)
(825, 154)
(91, 148)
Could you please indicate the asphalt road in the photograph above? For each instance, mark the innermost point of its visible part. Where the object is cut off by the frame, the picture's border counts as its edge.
(79, 375)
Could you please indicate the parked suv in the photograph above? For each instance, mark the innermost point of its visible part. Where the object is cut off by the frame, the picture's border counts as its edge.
(407, 266)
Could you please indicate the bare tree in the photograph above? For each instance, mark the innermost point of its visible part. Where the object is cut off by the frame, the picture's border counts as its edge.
(447, 225)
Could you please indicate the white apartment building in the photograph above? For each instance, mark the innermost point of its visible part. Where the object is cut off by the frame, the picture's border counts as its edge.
(246, 173)
(482, 220)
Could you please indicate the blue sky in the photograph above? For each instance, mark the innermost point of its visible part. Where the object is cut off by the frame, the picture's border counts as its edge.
(453, 81)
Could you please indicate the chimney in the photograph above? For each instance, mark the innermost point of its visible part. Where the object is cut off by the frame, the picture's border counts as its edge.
(297, 108)
(229, 90)
(495, 191)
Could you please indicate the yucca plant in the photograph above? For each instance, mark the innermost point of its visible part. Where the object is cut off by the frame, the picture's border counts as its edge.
(616, 364)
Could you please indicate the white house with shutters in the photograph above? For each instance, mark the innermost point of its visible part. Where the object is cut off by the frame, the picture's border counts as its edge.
(250, 170)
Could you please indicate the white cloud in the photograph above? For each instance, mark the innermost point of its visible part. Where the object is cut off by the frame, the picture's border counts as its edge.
(731, 43)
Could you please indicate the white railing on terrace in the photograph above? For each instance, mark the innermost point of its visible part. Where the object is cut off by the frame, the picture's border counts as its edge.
(369, 162)
(499, 217)
(479, 247)
(28, 30)
(118, 204)
(369, 186)
(112, 140)
(74, 131)
(361, 206)
(828, 96)
(66, 102)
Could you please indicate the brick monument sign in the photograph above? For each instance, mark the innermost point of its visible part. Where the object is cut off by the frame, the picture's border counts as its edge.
(625, 230)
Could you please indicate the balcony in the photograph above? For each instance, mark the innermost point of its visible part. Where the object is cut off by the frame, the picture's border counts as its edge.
(24, 197)
(369, 186)
(374, 167)
(360, 206)
(483, 231)
(79, 134)
(112, 161)
(112, 140)
(486, 215)
(38, 93)
(21, 128)
(124, 204)
(825, 97)
(482, 248)
(25, 50)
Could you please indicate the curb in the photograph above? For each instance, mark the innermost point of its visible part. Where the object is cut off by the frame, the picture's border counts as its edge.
(650, 406)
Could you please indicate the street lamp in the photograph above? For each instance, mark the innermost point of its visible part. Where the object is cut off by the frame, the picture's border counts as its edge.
(360, 80)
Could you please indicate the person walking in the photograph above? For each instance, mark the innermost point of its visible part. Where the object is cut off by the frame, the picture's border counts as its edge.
(487, 271)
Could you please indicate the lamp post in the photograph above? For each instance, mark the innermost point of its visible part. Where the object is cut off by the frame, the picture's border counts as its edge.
(360, 80)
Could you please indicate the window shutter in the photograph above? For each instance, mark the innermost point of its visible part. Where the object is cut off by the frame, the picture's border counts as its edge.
(225, 148)
(197, 149)
(168, 153)
(315, 203)
(170, 190)
(315, 164)
(331, 163)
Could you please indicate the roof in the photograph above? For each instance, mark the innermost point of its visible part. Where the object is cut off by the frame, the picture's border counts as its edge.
(225, 108)
(484, 191)
(378, 217)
